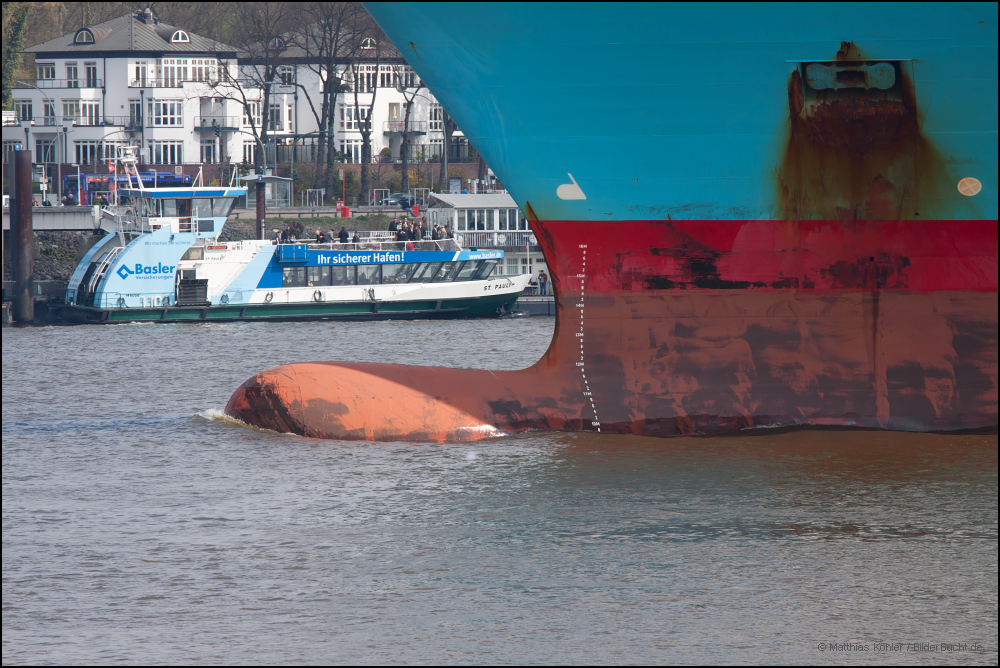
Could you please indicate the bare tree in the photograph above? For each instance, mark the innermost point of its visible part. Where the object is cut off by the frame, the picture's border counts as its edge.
(364, 69)
(401, 74)
(449, 126)
(262, 29)
(328, 40)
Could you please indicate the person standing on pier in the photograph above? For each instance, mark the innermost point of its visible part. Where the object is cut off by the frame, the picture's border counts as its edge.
(543, 283)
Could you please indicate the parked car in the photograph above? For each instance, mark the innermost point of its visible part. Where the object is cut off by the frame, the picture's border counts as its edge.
(395, 199)
(401, 200)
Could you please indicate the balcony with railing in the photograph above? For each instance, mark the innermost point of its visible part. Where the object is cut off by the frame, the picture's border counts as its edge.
(224, 123)
(79, 82)
(169, 82)
(399, 127)
(83, 120)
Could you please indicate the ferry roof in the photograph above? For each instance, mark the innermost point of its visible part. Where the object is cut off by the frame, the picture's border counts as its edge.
(180, 193)
(481, 201)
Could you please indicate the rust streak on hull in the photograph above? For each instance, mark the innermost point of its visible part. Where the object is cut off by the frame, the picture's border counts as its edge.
(702, 327)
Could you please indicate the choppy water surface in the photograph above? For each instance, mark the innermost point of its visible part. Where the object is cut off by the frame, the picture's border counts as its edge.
(139, 526)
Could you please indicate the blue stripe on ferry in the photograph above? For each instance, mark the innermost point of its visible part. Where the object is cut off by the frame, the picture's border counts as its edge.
(393, 257)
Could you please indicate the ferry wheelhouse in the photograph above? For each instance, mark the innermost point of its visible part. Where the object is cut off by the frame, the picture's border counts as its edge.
(164, 263)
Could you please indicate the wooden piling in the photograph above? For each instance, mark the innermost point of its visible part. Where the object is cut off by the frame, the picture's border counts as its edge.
(23, 241)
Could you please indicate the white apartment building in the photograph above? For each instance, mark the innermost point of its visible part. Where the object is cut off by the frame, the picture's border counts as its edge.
(130, 80)
(136, 80)
(388, 80)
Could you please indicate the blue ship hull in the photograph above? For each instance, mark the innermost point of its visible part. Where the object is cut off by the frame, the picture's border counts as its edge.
(682, 110)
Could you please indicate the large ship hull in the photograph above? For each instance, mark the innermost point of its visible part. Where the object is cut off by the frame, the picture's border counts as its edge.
(754, 216)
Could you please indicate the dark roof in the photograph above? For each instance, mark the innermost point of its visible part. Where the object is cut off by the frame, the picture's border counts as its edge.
(294, 51)
(115, 36)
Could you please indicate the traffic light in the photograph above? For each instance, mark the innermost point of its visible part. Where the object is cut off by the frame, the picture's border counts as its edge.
(218, 131)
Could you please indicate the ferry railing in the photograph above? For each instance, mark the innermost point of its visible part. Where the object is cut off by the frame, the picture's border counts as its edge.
(424, 245)
(102, 268)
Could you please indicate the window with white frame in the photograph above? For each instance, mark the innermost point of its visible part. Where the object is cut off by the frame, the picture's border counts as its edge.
(208, 151)
(22, 109)
(180, 36)
(434, 148)
(173, 71)
(388, 78)
(50, 113)
(286, 74)
(86, 151)
(166, 113)
(367, 78)
(436, 121)
(513, 266)
(108, 150)
(140, 70)
(249, 152)
(351, 118)
(71, 110)
(254, 117)
(84, 37)
(166, 152)
(88, 112)
(45, 70)
(351, 148)
(90, 74)
(274, 119)
(203, 69)
(72, 75)
(135, 112)
(8, 150)
(45, 150)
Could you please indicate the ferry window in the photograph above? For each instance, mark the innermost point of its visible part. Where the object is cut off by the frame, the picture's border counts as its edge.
(485, 270)
(169, 208)
(468, 271)
(317, 276)
(194, 253)
(461, 220)
(206, 225)
(369, 274)
(448, 273)
(425, 272)
(397, 273)
(221, 206)
(489, 215)
(341, 275)
(202, 207)
(293, 277)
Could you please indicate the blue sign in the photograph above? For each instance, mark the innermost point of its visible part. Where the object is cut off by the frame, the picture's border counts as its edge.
(140, 270)
(334, 258)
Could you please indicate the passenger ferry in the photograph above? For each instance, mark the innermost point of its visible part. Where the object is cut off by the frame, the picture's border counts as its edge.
(164, 263)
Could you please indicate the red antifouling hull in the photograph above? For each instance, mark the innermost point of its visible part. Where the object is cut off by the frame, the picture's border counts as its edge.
(693, 327)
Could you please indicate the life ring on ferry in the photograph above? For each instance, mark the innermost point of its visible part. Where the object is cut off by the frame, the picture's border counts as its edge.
(317, 296)
(268, 297)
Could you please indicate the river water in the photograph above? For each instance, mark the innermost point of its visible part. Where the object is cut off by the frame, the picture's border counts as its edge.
(140, 526)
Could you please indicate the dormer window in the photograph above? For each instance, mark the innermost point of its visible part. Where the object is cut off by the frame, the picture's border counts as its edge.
(180, 36)
(368, 43)
(84, 37)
